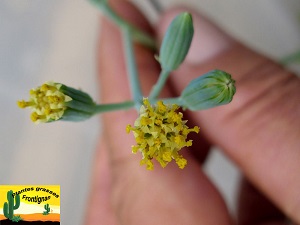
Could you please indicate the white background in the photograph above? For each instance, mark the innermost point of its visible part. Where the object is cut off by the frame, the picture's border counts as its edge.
(56, 40)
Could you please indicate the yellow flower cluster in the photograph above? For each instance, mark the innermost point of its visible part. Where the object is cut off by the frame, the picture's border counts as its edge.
(47, 103)
(160, 133)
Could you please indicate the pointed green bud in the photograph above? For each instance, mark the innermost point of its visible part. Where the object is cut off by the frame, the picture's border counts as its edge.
(55, 101)
(212, 89)
(176, 42)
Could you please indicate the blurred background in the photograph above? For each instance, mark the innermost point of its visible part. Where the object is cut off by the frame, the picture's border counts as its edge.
(57, 41)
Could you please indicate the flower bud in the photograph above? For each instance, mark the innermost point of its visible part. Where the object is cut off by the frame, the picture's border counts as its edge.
(176, 42)
(54, 101)
(81, 107)
(212, 89)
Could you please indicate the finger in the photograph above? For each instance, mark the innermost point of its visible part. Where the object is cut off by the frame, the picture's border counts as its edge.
(255, 208)
(168, 196)
(113, 73)
(99, 209)
(259, 130)
(113, 77)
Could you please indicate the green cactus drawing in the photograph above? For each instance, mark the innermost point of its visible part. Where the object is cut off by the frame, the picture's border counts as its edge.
(8, 208)
(16, 218)
(47, 208)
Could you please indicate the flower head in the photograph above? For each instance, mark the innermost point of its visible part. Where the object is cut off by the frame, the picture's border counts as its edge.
(47, 102)
(160, 132)
(55, 101)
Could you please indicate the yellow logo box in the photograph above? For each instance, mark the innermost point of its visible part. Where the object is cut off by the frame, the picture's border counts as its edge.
(30, 203)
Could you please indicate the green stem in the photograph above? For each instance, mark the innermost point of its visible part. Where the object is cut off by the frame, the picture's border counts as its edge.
(292, 58)
(137, 34)
(133, 77)
(159, 85)
(156, 5)
(101, 108)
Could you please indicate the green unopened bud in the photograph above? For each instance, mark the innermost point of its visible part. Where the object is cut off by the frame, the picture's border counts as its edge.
(55, 101)
(176, 42)
(212, 89)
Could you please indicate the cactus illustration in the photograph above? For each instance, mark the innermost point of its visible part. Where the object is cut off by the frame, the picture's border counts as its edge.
(47, 208)
(8, 208)
(16, 218)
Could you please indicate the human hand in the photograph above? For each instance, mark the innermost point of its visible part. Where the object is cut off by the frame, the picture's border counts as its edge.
(258, 130)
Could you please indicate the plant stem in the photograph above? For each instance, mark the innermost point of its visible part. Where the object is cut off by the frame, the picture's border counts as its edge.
(159, 85)
(292, 58)
(156, 5)
(133, 77)
(137, 34)
(101, 108)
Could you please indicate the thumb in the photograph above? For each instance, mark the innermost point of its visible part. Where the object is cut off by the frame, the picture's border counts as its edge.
(259, 129)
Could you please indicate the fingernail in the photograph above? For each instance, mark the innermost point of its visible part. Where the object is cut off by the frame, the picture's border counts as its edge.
(208, 39)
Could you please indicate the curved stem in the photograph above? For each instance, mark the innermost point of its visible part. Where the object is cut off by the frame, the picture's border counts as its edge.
(101, 108)
(137, 34)
(292, 58)
(156, 5)
(159, 85)
(133, 77)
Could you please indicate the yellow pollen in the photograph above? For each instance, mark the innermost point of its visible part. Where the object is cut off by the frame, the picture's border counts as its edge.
(128, 129)
(167, 156)
(45, 87)
(145, 121)
(32, 92)
(160, 133)
(181, 162)
(22, 104)
(54, 99)
(36, 118)
(47, 111)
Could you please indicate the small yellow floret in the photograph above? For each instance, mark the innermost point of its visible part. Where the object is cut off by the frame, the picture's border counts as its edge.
(160, 133)
(34, 117)
(181, 162)
(22, 104)
(47, 103)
